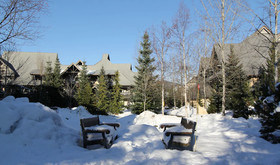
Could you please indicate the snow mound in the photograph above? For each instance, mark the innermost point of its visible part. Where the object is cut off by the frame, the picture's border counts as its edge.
(32, 123)
(150, 118)
(71, 117)
(182, 111)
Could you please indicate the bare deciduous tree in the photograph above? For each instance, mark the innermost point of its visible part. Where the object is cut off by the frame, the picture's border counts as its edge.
(19, 19)
(203, 53)
(70, 88)
(179, 27)
(222, 17)
(160, 45)
(275, 38)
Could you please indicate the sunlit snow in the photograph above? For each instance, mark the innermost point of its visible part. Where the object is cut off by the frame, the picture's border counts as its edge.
(31, 133)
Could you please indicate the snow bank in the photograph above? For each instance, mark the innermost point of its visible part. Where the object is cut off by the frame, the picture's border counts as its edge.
(31, 128)
(150, 118)
(31, 133)
(182, 111)
(71, 117)
(18, 115)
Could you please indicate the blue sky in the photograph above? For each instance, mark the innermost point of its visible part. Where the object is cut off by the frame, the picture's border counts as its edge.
(86, 29)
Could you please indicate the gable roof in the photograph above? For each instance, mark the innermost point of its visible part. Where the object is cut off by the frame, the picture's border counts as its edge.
(252, 51)
(67, 67)
(28, 64)
(125, 70)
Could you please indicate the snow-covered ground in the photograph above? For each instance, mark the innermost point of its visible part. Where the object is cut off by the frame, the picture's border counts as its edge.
(31, 133)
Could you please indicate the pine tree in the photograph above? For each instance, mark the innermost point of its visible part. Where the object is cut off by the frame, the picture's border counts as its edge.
(102, 93)
(238, 92)
(143, 97)
(48, 75)
(116, 97)
(216, 98)
(84, 91)
(57, 81)
(217, 88)
(268, 99)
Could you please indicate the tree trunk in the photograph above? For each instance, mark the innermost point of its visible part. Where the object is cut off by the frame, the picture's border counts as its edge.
(276, 42)
(185, 77)
(223, 58)
(173, 82)
(145, 102)
(181, 86)
(145, 90)
(162, 87)
(204, 87)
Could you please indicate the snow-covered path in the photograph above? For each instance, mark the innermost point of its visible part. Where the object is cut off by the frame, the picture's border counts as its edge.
(224, 140)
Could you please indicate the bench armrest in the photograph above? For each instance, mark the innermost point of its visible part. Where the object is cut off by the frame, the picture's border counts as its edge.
(97, 131)
(167, 125)
(178, 133)
(111, 124)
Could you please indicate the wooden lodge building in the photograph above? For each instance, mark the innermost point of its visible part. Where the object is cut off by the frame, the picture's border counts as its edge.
(252, 53)
(26, 69)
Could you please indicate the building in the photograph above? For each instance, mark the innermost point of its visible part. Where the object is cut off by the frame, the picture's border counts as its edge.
(28, 68)
(252, 52)
(126, 75)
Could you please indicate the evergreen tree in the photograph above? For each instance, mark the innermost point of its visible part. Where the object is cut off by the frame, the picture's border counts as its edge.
(102, 93)
(238, 93)
(116, 97)
(48, 75)
(268, 99)
(84, 91)
(216, 98)
(217, 88)
(57, 81)
(143, 93)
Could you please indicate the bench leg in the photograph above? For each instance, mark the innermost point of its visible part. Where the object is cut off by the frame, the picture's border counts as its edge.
(169, 145)
(85, 140)
(107, 144)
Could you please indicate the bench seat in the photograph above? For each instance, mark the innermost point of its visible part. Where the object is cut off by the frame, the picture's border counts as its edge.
(180, 135)
(96, 132)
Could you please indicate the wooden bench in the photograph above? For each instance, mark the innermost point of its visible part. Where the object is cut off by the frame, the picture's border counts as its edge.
(95, 132)
(179, 136)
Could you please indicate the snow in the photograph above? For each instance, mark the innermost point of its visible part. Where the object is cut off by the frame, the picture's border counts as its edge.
(31, 133)
(109, 136)
(91, 72)
(278, 108)
(269, 99)
(182, 112)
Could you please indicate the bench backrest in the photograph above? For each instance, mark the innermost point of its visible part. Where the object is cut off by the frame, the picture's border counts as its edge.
(188, 124)
(89, 122)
